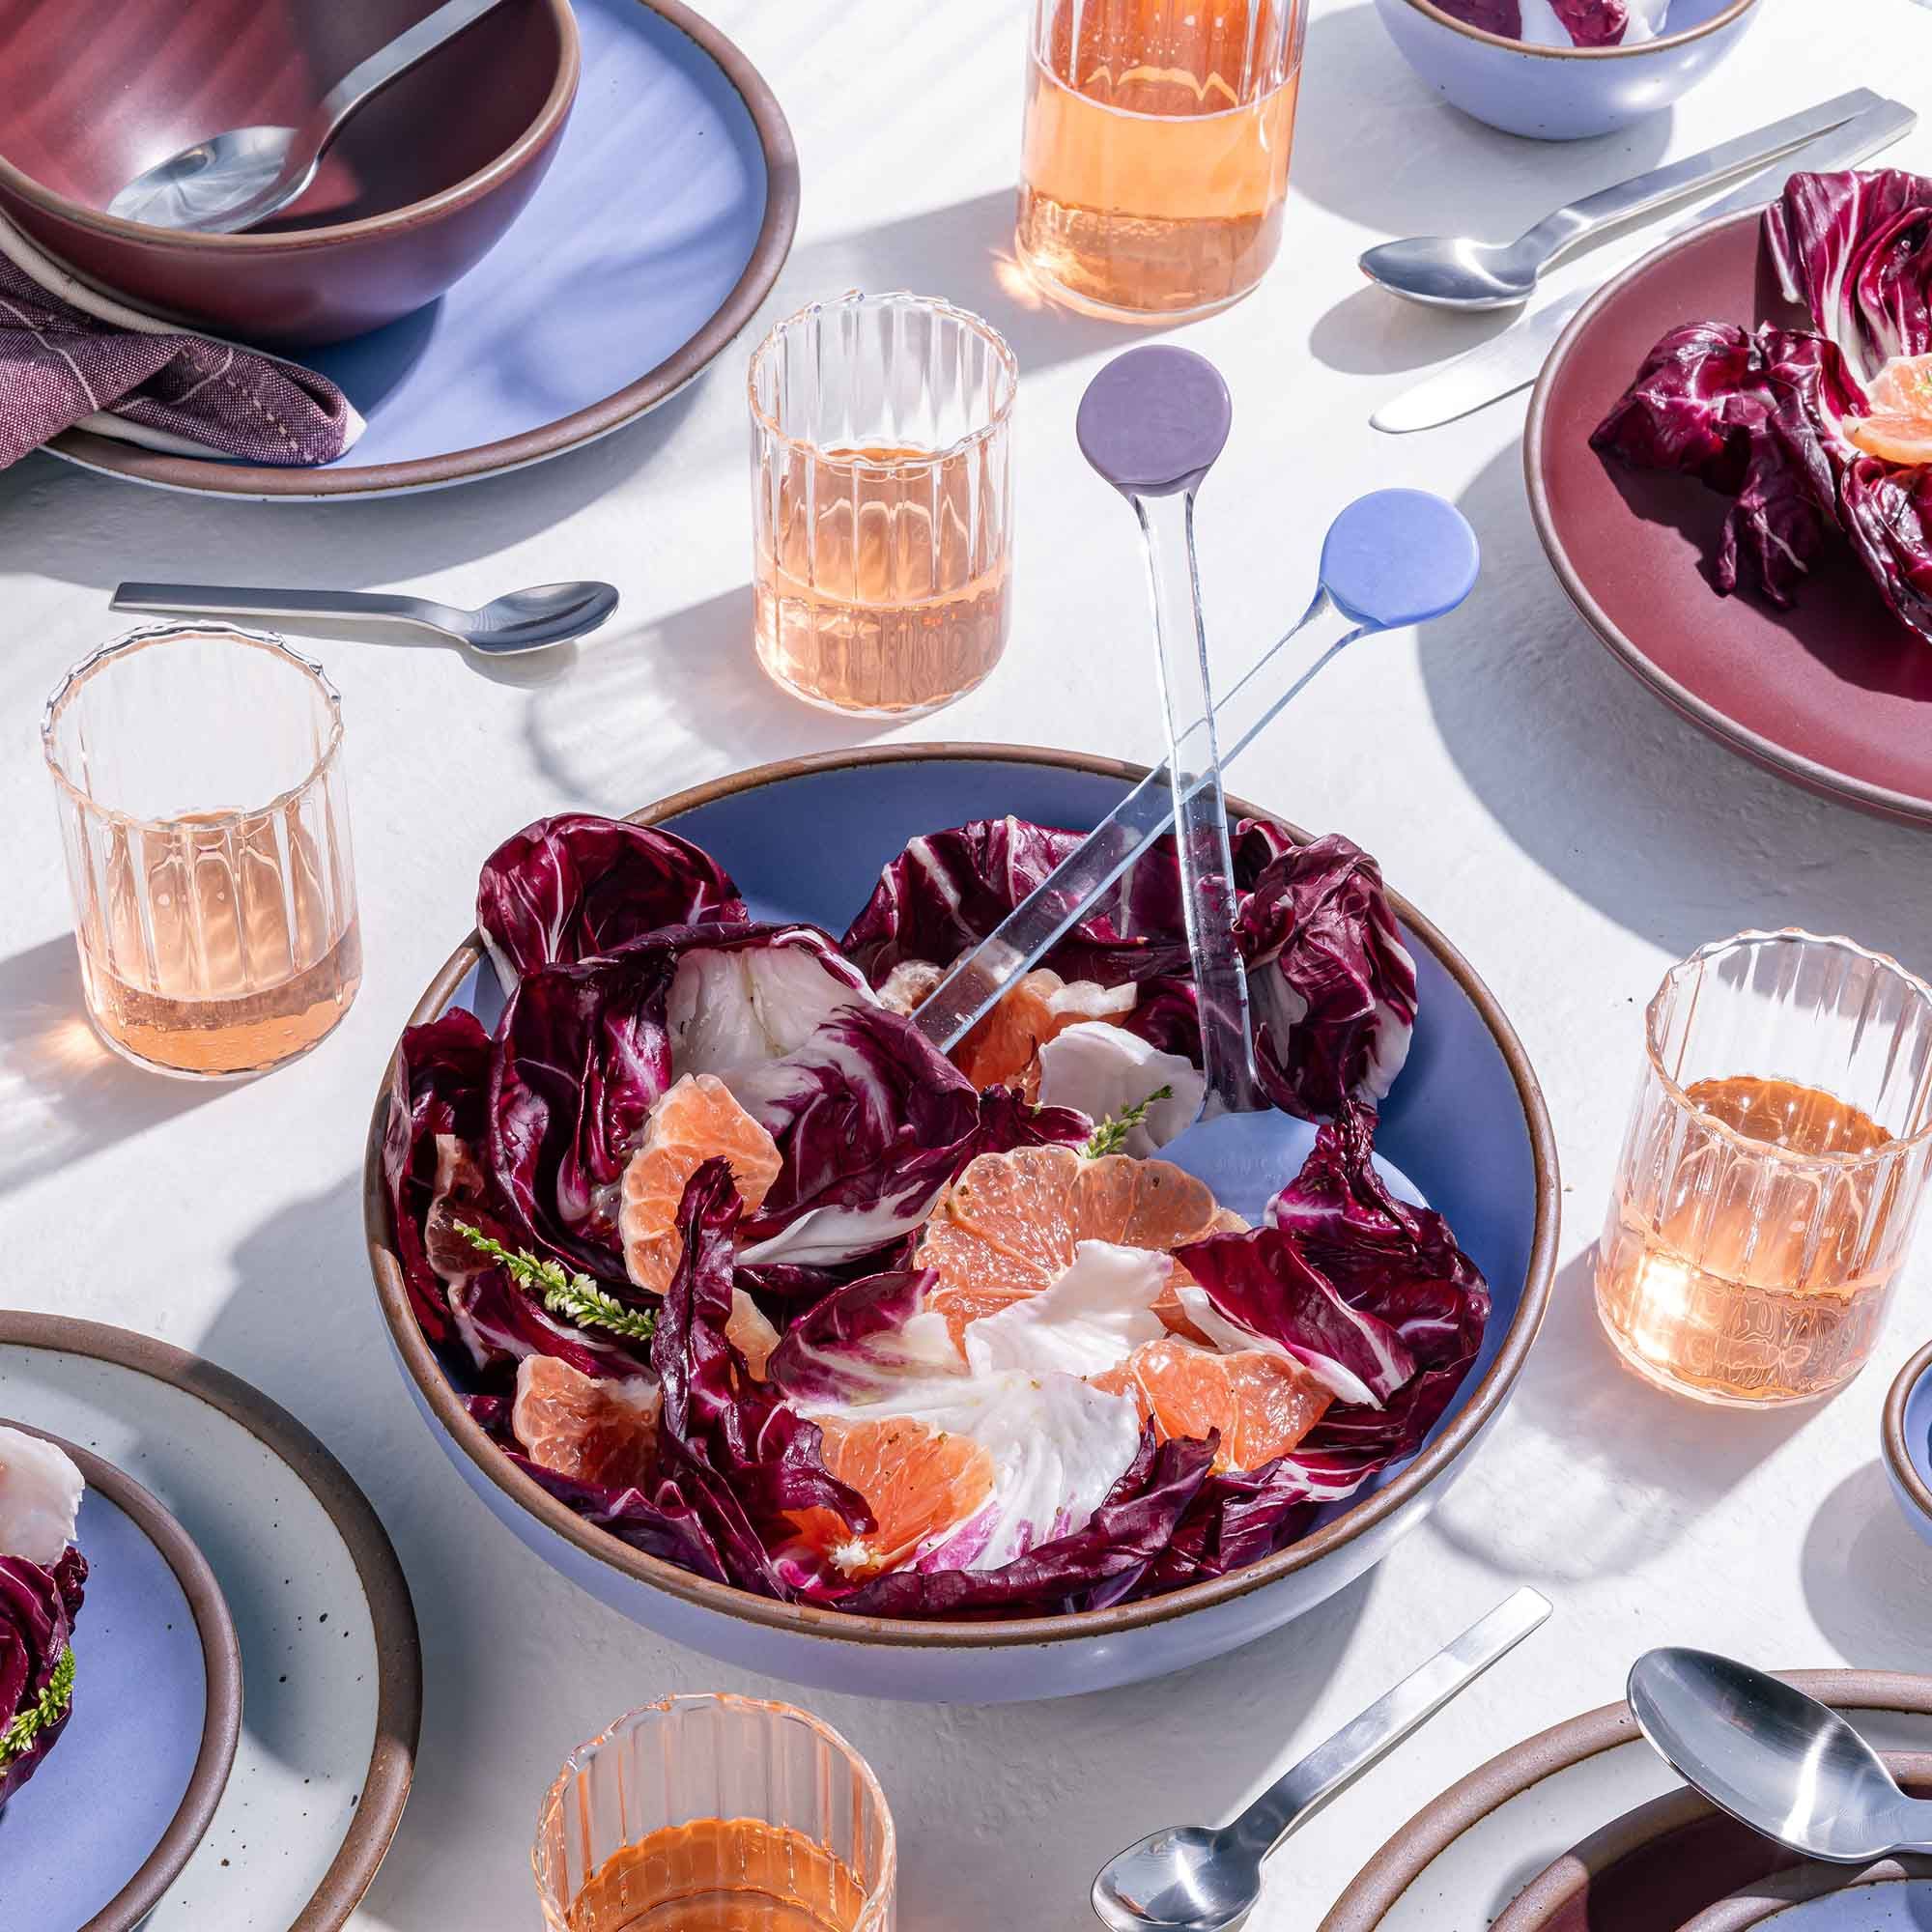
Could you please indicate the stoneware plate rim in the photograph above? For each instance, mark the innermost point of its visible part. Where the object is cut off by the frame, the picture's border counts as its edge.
(838, 1625)
(1891, 1431)
(264, 482)
(1636, 50)
(221, 1662)
(398, 1725)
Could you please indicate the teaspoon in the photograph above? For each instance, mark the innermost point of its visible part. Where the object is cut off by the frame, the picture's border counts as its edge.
(1190, 1879)
(1777, 1760)
(237, 180)
(521, 620)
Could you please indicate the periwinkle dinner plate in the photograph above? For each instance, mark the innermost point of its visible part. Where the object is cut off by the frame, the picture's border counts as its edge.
(1891, 1895)
(659, 227)
(331, 1685)
(118, 1807)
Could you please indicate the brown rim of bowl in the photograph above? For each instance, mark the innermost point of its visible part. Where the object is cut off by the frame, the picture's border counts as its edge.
(1636, 51)
(1770, 1897)
(245, 248)
(207, 477)
(221, 1661)
(1379, 1886)
(1719, 724)
(811, 1620)
(1891, 1431)
(386, 1785)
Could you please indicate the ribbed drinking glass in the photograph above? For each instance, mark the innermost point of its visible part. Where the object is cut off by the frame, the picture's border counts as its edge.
(1154, 158)
(882, 502)
(716, 1814)
(1773, 1170)
(198, 776)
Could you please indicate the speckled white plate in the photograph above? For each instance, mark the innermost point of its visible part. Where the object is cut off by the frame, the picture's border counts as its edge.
(331, 1667)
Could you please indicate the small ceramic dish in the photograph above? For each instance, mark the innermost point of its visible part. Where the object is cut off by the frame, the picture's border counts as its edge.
(1893, 1895)
(156, 1715)
(1565, 93)
(1905, 1437)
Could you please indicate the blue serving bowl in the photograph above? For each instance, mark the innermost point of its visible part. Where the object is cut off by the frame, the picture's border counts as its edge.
(1906, 1438)
(1564, 93)
(1465, 1122)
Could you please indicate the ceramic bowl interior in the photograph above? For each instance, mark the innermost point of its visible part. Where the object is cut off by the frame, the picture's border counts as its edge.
(806, 841)
(98, 89)
(1687, 19)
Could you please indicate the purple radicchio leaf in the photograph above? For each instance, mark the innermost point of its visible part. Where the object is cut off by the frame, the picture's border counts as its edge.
(38, 1609)
(851, 1345)
(575, 886)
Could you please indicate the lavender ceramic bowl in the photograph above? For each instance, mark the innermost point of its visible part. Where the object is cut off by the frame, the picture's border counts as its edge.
(1564, 93)
(419, 189)
(1906, 1440)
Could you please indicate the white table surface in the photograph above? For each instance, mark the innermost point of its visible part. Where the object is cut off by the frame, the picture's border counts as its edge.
(1569, 832)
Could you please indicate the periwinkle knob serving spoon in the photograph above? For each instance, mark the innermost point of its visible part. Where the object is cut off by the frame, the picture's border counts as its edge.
(240, 178)
(520, 621)
(1458, 272)
(1777, 1760)
(1190, 1879)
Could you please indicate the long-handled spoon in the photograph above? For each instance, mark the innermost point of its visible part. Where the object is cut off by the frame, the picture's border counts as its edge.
(235, 179)
(1459, 272)
(1777, 1760)
(1391, 558)
(1190, 1879)
(521, 620)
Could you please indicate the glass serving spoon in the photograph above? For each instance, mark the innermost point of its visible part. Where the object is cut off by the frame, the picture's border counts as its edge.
(238, 179)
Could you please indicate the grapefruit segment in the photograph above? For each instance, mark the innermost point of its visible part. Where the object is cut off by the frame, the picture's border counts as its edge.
(581, 1427)
(917, 1481)
(1002, 1050)
(694, 1119)
(1899, 428)
(1261, 1405)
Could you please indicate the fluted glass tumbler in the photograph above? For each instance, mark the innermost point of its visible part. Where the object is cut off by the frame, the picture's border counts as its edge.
(716, 1814)
(1154, 156)
(882, 502)
(1774, 1169)
(198, 776)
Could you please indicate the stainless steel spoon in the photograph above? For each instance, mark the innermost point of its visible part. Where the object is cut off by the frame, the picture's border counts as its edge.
(1777, 1760)
(521, 620)
(1458, 272)
(1190, 1879)
(233, 180)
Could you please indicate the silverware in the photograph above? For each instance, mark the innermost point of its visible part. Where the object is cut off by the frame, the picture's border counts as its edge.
(1391, 558)
(1190, 1879)
(521, 620)
(1777, 1760)
(235, 179)
(1513, 361)
(1458, 272)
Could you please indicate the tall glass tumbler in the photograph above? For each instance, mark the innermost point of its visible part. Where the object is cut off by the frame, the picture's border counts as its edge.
(716, 1814)
(1154, 158)
(1774, 1169)
(882, 502)
(198, 776)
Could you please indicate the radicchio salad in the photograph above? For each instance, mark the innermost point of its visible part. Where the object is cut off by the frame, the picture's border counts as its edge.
(727, 1256)
(41, 1581)
(1563, 23)
(1822, 432)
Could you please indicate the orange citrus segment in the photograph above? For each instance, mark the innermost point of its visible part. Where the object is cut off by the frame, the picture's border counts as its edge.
(694, 1119)
(590, 1430)
(916, 1482)
(1008, 1226)
(1899, 428)
(1261, 1405)
(1002, 1049)
(749, 1332)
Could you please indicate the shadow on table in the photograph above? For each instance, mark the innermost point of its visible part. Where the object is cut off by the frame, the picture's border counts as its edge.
(1867, 1578)
(1641, 1466)
(656, 706)
(63, 1094)
(1637, 812)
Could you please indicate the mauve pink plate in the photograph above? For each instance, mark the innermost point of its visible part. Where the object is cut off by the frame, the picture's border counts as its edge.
(1835, 693)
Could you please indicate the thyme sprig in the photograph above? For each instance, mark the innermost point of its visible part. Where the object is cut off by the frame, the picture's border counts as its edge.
(44, 1710)
(575, 1296)
(1111, 1135)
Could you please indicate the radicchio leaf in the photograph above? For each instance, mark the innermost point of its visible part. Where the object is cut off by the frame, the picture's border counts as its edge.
(575, 886)
(37, 1606)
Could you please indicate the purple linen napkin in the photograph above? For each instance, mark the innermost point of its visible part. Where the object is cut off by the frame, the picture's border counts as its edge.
(61, 365)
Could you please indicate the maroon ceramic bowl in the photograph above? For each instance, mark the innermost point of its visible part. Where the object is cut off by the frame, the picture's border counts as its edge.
(416, 189)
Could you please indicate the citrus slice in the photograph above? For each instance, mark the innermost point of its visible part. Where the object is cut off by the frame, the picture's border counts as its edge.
(694, 1119)
(1899, 428)
(581, 1427)
(1261, 1405)
(1002, 1050)
(1009, 1224)
(749, 1332)
(918, 1483)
